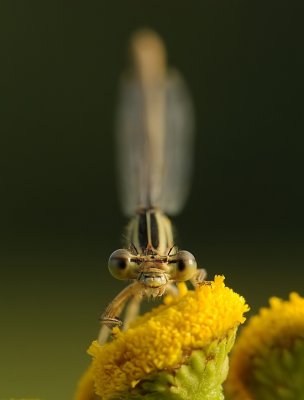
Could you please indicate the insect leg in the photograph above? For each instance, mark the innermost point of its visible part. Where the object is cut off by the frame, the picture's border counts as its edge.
(172, 290)
(199, 277)
(132, 310)
(112, 312)
(110, 317)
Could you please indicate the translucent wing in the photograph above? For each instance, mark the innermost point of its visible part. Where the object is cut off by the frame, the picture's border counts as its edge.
(155, 143)
(179, 135)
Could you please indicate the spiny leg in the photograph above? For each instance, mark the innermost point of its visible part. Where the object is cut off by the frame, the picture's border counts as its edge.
(171, 290)
(199, 277)
(133, 307)
(132, 311)
(110, 318)
(103, 334)
(111, 313)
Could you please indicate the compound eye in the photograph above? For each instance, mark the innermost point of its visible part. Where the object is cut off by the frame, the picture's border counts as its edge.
(184, 266)
(119, 263)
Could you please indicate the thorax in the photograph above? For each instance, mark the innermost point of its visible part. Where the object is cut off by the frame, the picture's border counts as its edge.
(150, 232)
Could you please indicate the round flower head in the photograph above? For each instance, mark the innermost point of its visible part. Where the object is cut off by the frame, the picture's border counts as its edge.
(176, 351)
(267, 361)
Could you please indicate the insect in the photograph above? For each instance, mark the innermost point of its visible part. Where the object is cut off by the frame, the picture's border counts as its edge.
(155, 125)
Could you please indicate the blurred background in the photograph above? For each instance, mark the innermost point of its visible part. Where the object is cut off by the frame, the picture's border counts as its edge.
(60, 218)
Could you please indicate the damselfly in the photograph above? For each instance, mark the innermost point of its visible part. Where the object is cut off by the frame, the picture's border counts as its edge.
(155, 142)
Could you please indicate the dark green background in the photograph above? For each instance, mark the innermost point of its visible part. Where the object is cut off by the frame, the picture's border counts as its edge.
(60, 218)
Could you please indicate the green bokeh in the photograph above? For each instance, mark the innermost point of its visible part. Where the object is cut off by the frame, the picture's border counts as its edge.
(60, 216)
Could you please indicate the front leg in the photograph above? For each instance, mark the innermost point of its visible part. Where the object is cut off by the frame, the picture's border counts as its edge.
(114, 309)
(110, 317)
(132, 310)
(199, 277)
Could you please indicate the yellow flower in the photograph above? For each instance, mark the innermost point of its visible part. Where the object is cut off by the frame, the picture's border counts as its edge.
(268, 359)
(177, 350)
(85, 387)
